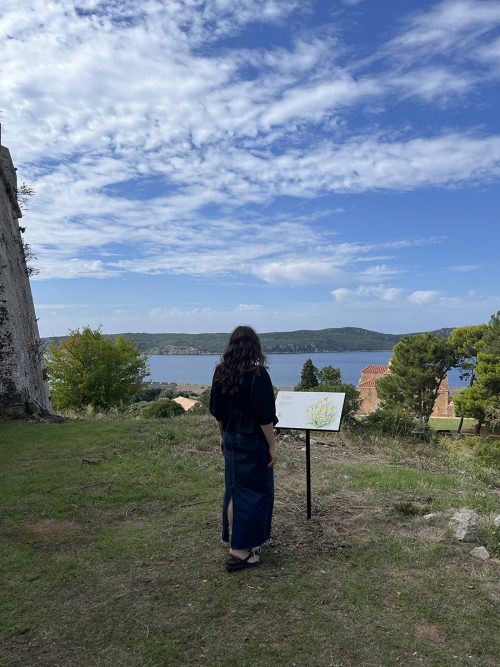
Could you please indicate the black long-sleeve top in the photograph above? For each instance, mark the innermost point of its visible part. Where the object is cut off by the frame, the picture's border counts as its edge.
(249, 407)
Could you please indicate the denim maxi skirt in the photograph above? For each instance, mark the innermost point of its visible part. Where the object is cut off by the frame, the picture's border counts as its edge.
(250, 483)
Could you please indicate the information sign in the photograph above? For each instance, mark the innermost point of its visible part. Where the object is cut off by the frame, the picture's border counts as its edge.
(309, 410)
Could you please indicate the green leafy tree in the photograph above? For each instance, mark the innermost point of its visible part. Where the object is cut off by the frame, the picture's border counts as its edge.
(328, 375)
(86, 368)
(488, 361)
(419, 365)
(473, 401)
(308, 377)
(466, 342)
(482, 400)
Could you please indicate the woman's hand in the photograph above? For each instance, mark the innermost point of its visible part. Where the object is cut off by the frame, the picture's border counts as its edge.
(268, 431)
(273, 455)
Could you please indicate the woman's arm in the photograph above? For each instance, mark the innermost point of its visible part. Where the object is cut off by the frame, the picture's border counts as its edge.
(268, 431)
(221, 431)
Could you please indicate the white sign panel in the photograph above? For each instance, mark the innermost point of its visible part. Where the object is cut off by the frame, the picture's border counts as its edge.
(309, 410)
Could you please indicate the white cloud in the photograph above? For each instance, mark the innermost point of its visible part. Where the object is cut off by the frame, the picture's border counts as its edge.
(420, 297)
(371, 292)
(433, 83)
(464, 268)
(342, 293)
(379, 272)
(448, 25)
(490, 53)
(101, 99)
(248, 307)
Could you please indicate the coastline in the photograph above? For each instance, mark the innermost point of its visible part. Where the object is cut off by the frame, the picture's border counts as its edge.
(181, 387)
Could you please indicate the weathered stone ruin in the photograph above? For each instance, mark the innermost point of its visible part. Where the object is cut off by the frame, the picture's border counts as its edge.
(23, 387)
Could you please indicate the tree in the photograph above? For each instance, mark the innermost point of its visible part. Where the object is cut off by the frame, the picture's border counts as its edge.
(308, 377)
(329, 375)
(419, 365)
(473, 401)
(466, 342)
(488, 361)
(329, 378)
(86, 368)
(482, 400)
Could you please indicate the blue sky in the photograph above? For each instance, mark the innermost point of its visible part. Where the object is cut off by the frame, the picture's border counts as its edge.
(283, 163)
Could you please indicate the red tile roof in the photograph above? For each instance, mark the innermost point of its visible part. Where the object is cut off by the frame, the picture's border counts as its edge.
(372, 382)
(375, 368)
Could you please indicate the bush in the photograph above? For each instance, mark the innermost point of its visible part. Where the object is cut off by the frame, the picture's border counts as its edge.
(398, 425)
(169, 392)
(163, 408)
(147, 394)
(201, 408)
(486, 452)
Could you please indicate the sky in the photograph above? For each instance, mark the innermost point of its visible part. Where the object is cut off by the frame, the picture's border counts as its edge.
(288, 164)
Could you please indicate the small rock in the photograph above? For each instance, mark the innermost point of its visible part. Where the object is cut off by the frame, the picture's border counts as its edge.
(496, 521)
(465, 523)
(431, 518)
(480, 552)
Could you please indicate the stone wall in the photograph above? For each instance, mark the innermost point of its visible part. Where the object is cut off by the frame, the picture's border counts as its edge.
(23, 387)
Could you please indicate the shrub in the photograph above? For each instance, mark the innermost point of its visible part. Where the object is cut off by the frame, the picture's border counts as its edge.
(201, 408)
(163, 408)
(397, 424)
(486, 452)
(147, 394)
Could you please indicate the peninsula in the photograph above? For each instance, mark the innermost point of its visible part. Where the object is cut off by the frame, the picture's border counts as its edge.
(344, 339)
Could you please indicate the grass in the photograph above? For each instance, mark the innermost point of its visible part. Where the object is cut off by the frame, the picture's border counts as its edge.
(452, 423)
(109, 553)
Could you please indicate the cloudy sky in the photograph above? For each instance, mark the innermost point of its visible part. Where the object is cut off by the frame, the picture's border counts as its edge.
(284, 163)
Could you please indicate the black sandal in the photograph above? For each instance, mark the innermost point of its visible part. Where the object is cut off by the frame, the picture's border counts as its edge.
(234, 563)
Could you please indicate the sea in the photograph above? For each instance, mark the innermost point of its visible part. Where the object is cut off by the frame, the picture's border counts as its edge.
(284, 368)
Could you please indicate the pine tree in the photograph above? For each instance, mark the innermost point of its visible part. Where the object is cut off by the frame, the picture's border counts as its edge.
(308, 377)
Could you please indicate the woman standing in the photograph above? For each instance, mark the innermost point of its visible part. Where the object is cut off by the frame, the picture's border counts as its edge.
(242, 401)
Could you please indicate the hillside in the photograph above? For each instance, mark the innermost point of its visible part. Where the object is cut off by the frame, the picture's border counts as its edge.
(110, 552)
(345, 339)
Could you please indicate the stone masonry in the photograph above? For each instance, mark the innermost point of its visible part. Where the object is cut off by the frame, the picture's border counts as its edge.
(23, 387)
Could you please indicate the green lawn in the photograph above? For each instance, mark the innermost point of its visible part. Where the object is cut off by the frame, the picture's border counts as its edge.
(109, 553)
(452, 423)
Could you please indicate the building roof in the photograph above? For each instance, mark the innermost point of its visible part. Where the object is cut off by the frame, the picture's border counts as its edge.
(372, 382)
(375, 368)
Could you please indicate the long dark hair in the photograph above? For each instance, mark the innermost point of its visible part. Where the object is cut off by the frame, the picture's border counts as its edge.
(243, 352)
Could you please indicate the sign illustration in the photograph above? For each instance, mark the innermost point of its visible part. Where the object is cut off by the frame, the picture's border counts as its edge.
(309, 410)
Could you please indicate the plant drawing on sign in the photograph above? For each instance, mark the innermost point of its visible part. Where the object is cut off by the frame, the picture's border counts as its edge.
(321, 414)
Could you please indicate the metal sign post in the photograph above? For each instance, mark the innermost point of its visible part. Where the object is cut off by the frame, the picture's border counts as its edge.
(308, 472)
(306, 410)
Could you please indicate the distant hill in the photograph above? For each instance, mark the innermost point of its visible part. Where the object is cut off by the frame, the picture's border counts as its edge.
(346, 339)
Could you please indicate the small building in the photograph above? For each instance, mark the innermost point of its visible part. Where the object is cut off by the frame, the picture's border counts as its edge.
(367, 387)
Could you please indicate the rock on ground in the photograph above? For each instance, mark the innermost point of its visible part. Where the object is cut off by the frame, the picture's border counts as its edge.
(480, 552)
(465, 524)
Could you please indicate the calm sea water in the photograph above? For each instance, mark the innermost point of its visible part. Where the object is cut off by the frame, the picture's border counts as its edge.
(284, 368)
